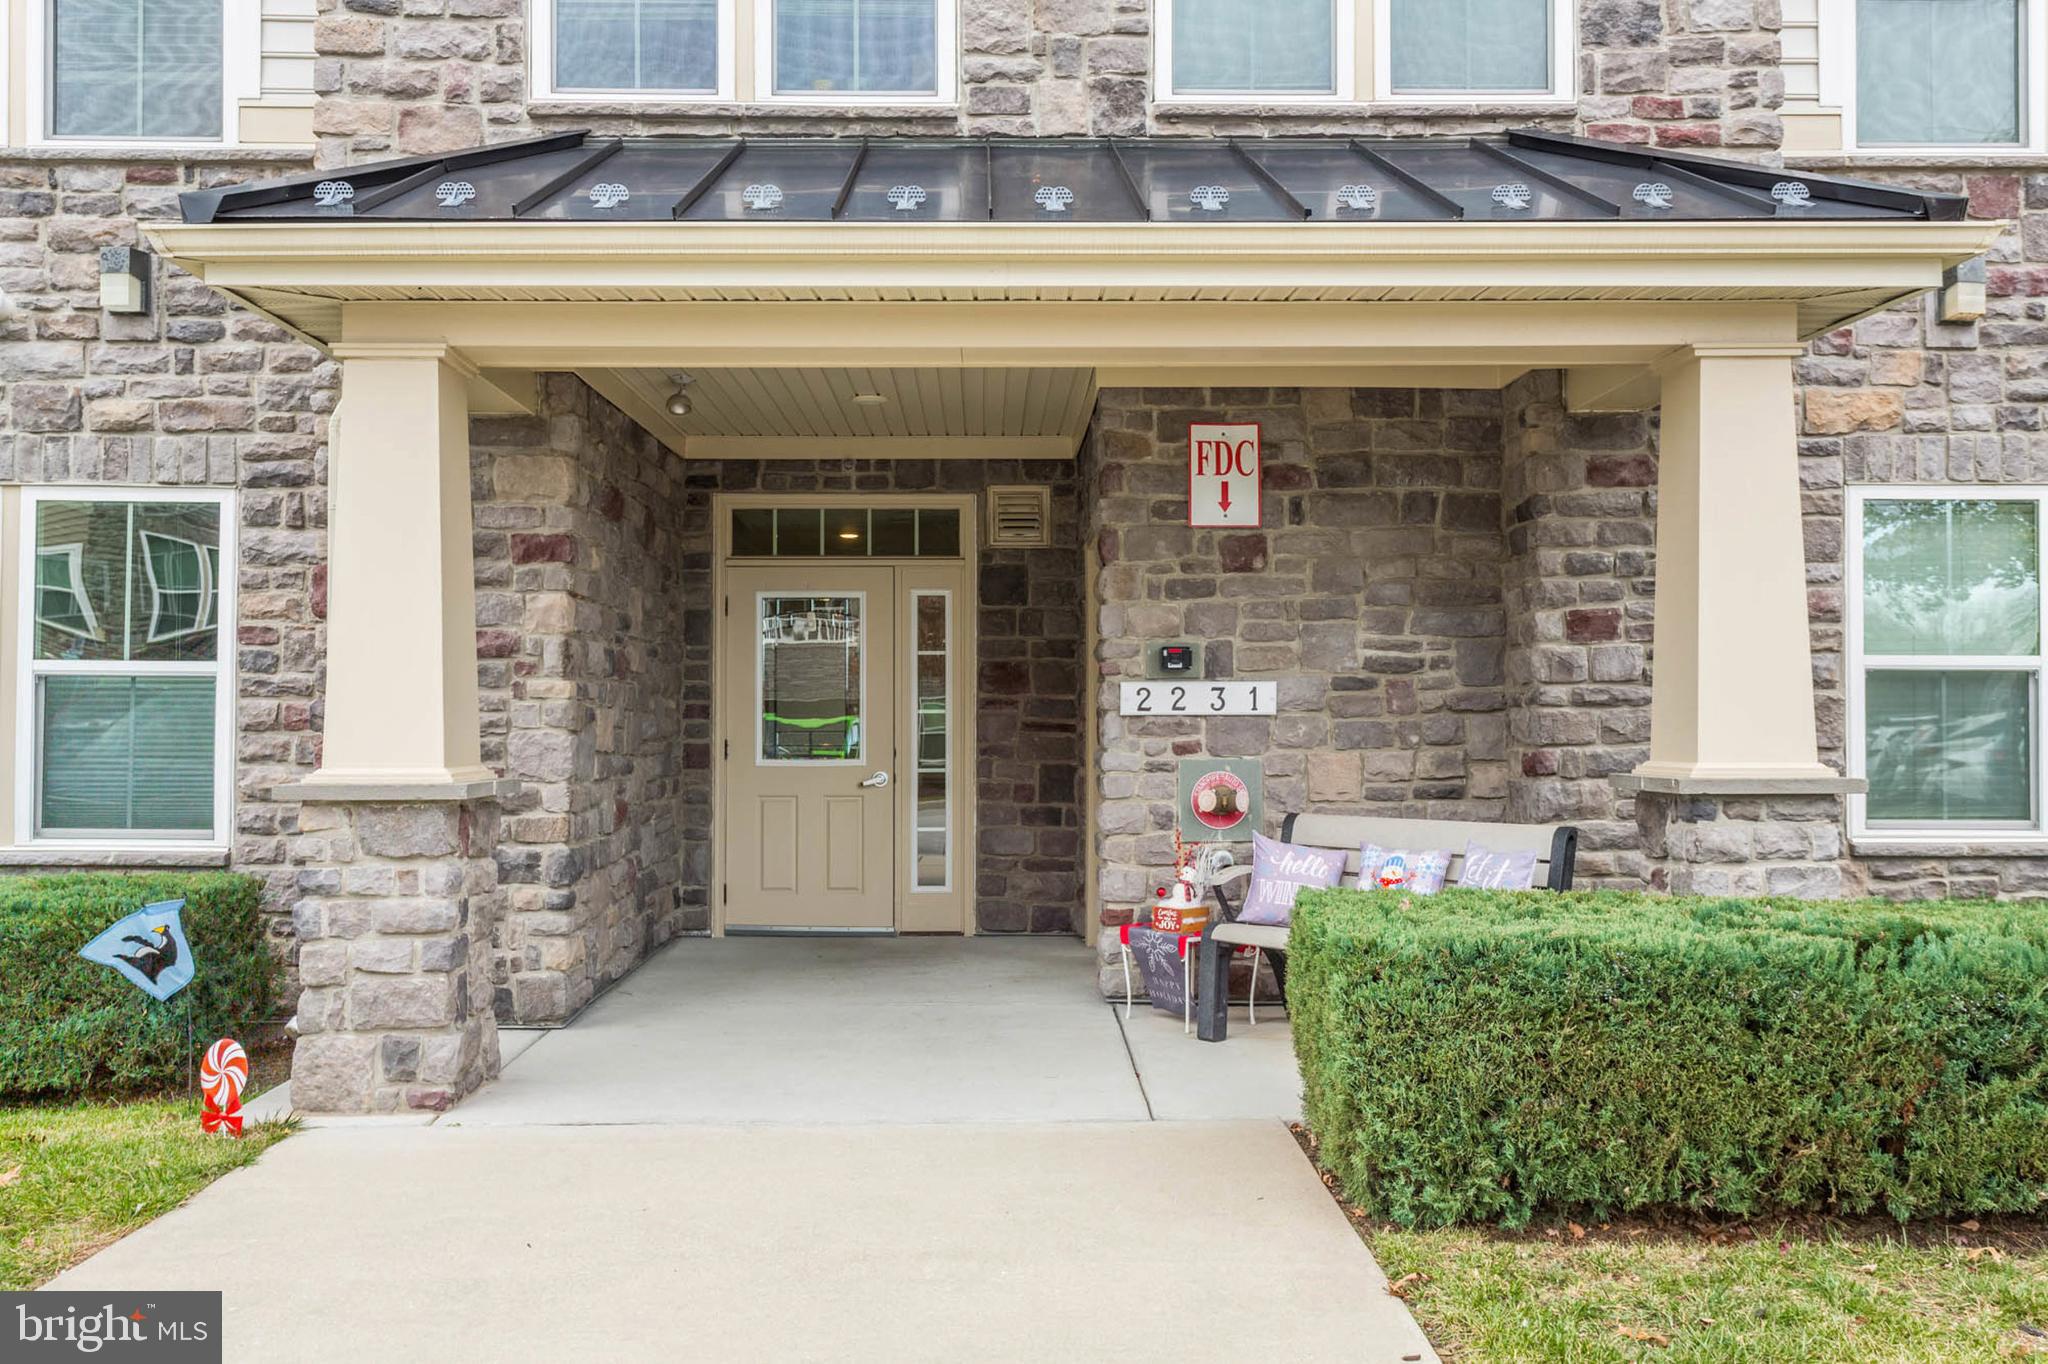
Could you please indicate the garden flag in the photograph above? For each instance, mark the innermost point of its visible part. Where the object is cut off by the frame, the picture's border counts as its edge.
(149, 948)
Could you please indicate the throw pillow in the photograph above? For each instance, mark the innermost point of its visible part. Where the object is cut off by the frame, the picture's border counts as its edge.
(1279, 871)
(1498, 870)
(1420, 870)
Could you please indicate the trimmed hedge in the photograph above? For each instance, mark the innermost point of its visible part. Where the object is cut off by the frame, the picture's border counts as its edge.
(1484, 1055)
(70, 1026)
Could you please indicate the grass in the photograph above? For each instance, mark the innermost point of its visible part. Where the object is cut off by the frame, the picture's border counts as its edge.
(75, 1177)
(1813, 1291)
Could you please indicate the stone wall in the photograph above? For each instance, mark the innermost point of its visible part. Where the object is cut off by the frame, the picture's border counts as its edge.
(1579, 587)
(1371, 592)
(440, 75)
(1028, 702)
(581, 567)
(192, 392)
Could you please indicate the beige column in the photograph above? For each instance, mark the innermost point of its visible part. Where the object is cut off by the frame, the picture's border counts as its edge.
(1732, 688)
(401, 704)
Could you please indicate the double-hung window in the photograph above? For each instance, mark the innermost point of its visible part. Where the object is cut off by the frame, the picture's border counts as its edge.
(1940, 73)
(1354, 50)
(820, 51)
(1944, 667)
(132, 70)
(125, 696)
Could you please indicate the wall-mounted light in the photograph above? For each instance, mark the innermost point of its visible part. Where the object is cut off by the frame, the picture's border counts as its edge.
(679, 404)
(1962, 292)
(124, 279)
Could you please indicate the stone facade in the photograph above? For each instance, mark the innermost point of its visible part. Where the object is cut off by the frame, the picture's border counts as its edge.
(1454, 589)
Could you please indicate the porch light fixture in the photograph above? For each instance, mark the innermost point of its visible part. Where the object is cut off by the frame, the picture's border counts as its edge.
(124, 279)
(870, 400)
(849, 534)
(679, 401)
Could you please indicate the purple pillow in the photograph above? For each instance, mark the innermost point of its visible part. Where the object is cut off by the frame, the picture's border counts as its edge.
(1419, 870)
(1498, 870)
(1279, 871)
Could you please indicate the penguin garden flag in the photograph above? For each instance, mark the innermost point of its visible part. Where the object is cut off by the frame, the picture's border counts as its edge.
(149, 948)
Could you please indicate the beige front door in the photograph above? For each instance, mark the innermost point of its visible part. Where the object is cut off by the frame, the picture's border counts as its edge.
(811, 799)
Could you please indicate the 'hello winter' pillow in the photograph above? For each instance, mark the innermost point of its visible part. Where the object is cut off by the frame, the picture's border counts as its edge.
(1279, 873)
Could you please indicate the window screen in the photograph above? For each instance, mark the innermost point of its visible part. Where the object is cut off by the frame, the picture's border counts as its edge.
(864, 46)
(636, 45)
(1267, 46)
(135, 68)
(1938, 72)
(1470, 45)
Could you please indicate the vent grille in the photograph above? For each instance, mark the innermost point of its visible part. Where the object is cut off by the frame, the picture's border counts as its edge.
(1019, 518)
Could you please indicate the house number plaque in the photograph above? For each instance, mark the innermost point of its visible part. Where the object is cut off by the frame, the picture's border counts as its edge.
(1168, 697)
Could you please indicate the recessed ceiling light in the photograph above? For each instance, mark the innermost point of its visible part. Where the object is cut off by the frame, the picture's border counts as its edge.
(849, 535)
(869, 400)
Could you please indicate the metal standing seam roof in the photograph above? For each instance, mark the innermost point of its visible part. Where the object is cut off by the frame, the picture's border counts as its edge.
(1518, 176)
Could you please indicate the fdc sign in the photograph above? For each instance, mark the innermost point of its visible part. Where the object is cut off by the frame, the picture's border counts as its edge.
(1223, 474)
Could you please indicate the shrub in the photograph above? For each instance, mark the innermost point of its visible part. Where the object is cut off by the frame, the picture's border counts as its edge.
(68, 1026)
(1481, 1055)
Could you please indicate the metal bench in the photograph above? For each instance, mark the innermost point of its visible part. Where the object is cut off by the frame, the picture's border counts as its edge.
(1555, 845)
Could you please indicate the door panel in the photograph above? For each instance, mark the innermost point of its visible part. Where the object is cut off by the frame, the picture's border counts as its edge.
(810, 673)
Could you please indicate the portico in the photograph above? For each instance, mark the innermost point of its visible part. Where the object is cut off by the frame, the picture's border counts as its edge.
(442, 330)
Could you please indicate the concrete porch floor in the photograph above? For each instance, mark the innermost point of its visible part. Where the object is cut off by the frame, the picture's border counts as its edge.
(804, 1149)
(879, 1030)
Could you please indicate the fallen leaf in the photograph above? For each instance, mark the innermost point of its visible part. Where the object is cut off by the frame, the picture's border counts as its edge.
(1399, 1287)
(1647, 1337)
(1972, 1225)
(9, 1176)
(1706, 1321)
(1578, 1232)
(1866, 1269)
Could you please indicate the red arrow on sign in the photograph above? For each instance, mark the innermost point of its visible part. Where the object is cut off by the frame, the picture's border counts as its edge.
(1226, 494)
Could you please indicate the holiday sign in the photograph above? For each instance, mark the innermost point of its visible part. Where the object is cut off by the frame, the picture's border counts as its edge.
(1223, 474)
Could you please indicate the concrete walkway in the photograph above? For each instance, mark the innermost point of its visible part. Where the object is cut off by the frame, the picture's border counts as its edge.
(762, 1150)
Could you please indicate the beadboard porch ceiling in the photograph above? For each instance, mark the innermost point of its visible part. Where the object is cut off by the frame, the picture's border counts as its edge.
(881, 412)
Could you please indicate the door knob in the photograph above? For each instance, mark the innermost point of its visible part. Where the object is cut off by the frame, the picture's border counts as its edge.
(878, 781)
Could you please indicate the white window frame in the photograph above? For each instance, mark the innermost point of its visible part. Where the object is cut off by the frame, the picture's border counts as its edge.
(1855, 663)
(917, 767)
(945, 65)
(241, 67)
(74, 558)
(157, 593)
(1365, 58)
(540, 65)
(28, 668)
(1838, 86)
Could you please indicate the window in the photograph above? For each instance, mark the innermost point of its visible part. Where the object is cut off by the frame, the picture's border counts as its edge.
(1940, 72)
(812, 678)
(1415, 51)
(846, 532)
(1469, 45)
(1952, 74)
(667, 45)
(817, 51)
(1945, 659)
(126, 699)
(135, 69)
(868, 47)
(1254, 46)
(931, 840)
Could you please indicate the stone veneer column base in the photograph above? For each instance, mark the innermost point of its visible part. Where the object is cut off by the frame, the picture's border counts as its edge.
(395, 913)
(1700, 844)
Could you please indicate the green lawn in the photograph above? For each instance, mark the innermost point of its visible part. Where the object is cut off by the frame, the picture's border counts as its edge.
(74, 1177)
(1811, 1293)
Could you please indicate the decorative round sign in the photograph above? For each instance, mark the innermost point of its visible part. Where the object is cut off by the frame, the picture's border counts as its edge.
(1221, 800)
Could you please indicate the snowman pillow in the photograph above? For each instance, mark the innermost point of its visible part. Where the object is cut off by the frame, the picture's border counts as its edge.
(1419, 870)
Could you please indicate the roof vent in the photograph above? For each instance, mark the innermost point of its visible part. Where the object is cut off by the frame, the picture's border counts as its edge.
(1019, 518)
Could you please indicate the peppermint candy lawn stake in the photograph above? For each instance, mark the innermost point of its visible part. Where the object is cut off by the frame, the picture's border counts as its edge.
(222, 1078)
